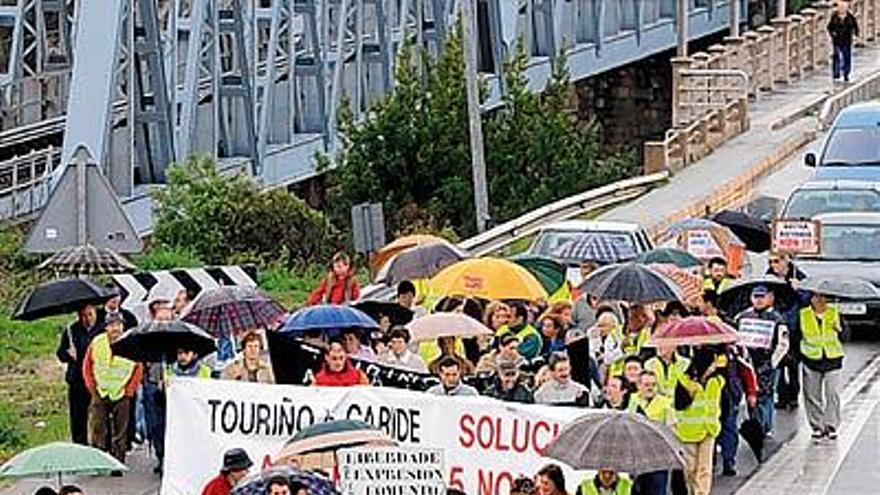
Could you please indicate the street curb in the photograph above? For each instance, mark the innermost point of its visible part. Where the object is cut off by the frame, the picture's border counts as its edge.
(737, 191)
(810, 109)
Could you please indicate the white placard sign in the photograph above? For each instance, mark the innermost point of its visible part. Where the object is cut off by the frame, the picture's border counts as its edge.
(757, 333)
(796, 236)
(701, 244)
(486, 443)
(391, 471)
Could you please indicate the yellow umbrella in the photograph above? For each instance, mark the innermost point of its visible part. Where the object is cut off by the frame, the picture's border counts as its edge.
(487, 278)
(389, 250)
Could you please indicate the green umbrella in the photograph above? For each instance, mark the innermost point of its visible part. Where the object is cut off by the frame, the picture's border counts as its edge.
(60, 458)
(670, 256)
(550, 273)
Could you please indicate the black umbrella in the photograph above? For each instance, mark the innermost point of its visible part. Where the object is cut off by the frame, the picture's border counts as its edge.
(753, 433)
(158, 341)
(631, 282)
(377, 309)
(61, 297)
(738, 296)
(753, 232)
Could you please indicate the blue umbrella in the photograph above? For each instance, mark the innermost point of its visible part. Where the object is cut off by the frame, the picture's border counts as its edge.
(326, 317)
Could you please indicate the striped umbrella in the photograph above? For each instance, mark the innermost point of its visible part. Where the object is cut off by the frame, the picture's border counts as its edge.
(87, 260)
(233, 310)
(694, 330)
(598, 247)
(317, 444)
(691, 284)
(315, 483)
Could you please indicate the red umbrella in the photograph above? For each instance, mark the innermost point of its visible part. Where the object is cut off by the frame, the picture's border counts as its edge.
(694, 330)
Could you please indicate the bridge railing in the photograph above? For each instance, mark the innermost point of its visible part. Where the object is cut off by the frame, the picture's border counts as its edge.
(708, 108)
(34, 99)
(25, 183)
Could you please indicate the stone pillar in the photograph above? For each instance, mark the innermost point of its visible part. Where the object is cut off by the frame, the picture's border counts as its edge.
(679, 64)
(752, 51)
(784, 50)
(796, 28)
(823, 43)
(767, 57)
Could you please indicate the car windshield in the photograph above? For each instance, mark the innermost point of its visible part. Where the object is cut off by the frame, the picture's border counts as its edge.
(858, 146)
(806, 203)
(599, 246)
(850, 242)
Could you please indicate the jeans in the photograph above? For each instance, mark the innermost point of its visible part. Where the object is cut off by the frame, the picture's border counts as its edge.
(764, 411)
(841, 61)
(653, 483)
(728, 439)
(154, 409)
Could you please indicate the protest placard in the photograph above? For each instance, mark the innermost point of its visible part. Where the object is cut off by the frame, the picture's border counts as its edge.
(796, 236)
(756, 333)
(701, 244)
(391, 471)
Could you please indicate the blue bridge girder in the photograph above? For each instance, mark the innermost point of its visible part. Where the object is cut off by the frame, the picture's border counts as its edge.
(256, 83)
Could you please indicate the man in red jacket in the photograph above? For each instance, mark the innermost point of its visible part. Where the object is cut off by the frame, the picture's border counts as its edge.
(339, 286)
(337, 370)
(236, 465)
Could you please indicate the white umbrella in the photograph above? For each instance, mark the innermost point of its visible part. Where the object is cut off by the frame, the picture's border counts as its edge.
(438, 325)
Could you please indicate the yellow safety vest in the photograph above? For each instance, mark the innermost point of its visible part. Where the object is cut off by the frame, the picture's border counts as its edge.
(657, 410)
(202, 372)
(703, 417)
(630, 347)
(817, 342)
(667, 377)
(111, 372)
(709, 284)
(623, 487)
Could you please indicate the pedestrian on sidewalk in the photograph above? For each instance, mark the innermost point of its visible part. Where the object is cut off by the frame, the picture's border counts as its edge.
(843, 28)
(822, 354)
(112, 381)
(75, 341)
(788, 388)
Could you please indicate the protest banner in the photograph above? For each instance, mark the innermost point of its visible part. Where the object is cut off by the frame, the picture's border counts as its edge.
(486, 443)
(391, 471)
(756, 333)
(701, 244)
(796, 236)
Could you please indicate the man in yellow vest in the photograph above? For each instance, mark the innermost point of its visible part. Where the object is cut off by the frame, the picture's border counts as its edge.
(699, 419)
(657, 408)
(667, 367)
(822, 355)
(606, 482)
(112, 382)
(717, 277)
(187, 365)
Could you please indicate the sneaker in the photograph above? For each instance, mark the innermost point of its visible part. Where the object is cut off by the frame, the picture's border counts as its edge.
(831, 433)
(817, 434)
(729, 471)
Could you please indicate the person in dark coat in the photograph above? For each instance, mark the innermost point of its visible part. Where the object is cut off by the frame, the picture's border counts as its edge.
(507, 386)
(788, 386)
(72, 349)
(843, 28)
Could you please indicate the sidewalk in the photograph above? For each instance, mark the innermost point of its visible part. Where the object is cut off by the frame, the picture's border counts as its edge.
(748, 150)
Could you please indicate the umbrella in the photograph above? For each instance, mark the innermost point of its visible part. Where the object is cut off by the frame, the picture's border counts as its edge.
(670, 256)
(386, 253)
(377, 309)
(58, 459)
(691, 285)
(233, 310)
(420, 262)
(753, 232)
(617, 440)
(325, 317)
(693, 330)
(842, 287)
(438, 325)
(631, 282)
(158, 341)
(87, 260)
(255, 484)
(61, 297)
(333, 435)
(738, 296)
(487, 278)
(549, 272)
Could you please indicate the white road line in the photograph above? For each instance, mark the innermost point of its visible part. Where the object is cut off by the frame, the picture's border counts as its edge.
(803, 467)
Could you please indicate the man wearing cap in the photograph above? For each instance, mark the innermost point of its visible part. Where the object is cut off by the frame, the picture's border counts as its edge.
(236, 465)
(507, 386)
(767, 336)
(112, 381)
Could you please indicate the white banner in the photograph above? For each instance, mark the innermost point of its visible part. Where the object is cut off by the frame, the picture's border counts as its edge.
(486, 443)
(391, 471)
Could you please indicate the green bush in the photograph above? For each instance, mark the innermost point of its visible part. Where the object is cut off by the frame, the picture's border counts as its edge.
(219, 219)
(167, 257)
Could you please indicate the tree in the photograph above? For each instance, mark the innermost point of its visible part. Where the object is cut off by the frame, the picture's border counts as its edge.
(228, 219)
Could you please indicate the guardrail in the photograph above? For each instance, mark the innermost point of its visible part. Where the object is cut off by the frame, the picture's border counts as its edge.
(579, 204)
(785, 51)
(865, 90)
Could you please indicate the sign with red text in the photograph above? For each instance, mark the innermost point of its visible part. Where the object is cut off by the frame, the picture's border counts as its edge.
(756, 333)
(486, 443)
(701, 244)
(391, 471)
(796, 237)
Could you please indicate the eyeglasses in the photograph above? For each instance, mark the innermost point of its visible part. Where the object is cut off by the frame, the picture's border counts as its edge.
(774, 261)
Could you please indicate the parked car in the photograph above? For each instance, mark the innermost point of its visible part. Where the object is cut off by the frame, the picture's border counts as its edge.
(574, 241)
(832, 196)
(849, 248)
(852, 148)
